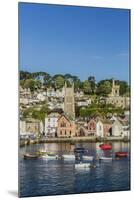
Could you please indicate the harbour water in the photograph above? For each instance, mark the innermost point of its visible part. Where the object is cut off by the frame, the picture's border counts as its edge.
(53, 177)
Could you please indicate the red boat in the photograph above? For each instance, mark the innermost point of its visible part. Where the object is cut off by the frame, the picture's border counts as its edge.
(121, 154)
(106, 146)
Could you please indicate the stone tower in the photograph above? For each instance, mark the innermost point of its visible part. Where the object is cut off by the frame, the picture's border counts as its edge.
(115, 89)
(69, 103)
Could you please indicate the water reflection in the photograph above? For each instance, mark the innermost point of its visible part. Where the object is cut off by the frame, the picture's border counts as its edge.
(41, 177)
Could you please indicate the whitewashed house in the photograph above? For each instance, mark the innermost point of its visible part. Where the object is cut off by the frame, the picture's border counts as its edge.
(60, 92)
(99, 129)
(117, 128)
(82, 103)
(51, 92)
(126, 128)
(51, 124)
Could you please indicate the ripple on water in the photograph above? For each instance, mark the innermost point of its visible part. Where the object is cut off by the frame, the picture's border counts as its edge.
(41, 177)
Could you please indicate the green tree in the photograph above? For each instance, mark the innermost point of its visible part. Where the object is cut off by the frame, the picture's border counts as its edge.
(86, 87)
(104, 88)
(59, 82)
(25, 75)
(92, 81)
(32, 84)
(123, 87)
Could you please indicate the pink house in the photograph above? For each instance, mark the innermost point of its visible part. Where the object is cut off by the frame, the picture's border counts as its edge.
(92, 127)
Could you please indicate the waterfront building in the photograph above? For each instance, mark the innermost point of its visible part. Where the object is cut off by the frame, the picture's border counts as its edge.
(31, 126)
(51, 124)
(107, 127)
(92, 127)
(117, 128)
(66, 126)
(99, 128)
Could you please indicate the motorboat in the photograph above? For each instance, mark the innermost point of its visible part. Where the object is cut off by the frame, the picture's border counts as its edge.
(90, 158)
(121, 154)
(50, 156)
(41, 153)
(82, 165)
(80, 150)
(106, 146)
(105, 158)
(30, 156)
(68, 157)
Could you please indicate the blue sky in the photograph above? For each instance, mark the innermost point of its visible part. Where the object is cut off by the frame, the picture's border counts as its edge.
(82, 41)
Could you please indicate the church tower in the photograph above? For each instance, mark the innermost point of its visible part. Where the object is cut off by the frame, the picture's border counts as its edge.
(69, 103)
(115, 89)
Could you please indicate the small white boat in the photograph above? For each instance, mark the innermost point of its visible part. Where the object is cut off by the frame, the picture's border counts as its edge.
(50, 156)
(68, 157)
(82, 165)
(106, 158)
(88, 158)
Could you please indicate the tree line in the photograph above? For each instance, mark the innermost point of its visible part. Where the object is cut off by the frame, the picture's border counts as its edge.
(35, 80)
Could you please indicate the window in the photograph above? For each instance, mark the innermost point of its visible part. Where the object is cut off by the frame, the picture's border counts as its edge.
(63, 124)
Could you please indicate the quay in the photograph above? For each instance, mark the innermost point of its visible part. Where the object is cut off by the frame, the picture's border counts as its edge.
(73, 140)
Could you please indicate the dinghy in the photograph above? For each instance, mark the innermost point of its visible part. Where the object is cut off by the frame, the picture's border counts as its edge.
(90, 158)
(106, 146)
(82, 166)
(50, 156)
(106, 158)
(68, 157)
(121, 154)
(30, 156)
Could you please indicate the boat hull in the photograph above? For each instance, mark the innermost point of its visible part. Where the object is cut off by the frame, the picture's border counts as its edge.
(82, 166)
(90, 158)
(106, 158)
(68, 157)
(30, 156)
(105, 146)
(121, 154)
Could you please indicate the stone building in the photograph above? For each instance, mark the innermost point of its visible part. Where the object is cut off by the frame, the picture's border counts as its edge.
(66, 126)
(31, 126)
(69, 102)
(115, 98)
(115, 90)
